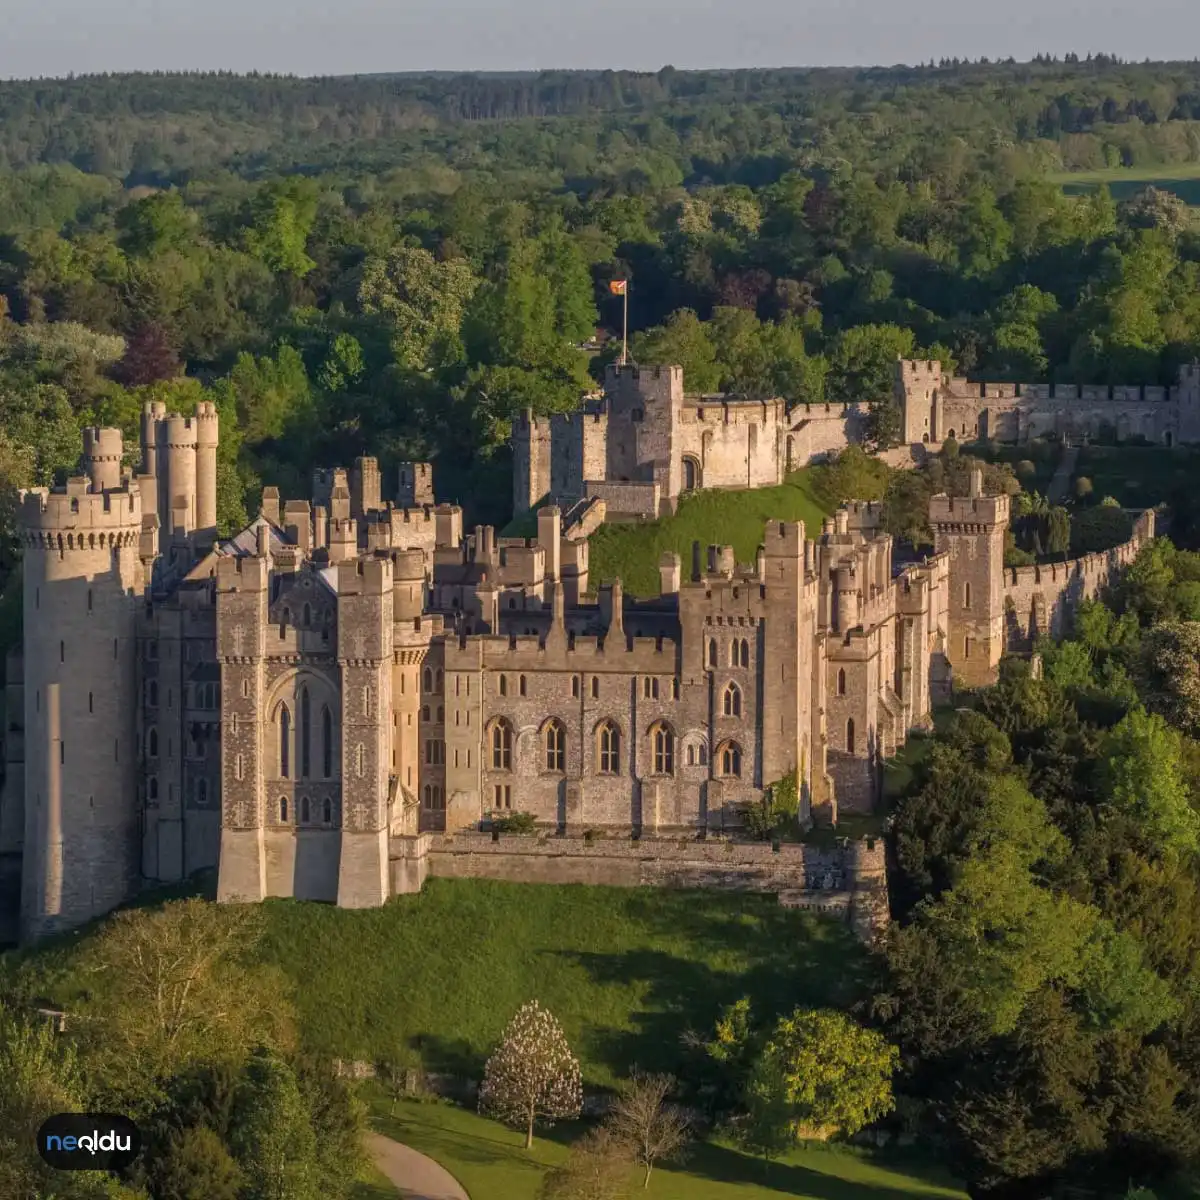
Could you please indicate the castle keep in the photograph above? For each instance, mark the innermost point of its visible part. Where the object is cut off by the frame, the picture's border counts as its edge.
(317, 705)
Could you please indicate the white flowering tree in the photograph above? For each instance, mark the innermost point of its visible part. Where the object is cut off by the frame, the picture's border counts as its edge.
(532, 1075)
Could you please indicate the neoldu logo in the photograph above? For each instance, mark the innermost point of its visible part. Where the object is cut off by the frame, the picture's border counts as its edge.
(88, 1142)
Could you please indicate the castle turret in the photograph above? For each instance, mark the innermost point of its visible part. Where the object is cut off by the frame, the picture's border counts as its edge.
(531, 442)
(102, 452)
(416, 484)
(365, 618)
(971, 530)
(207, 431)
(916, 390)
(366, 488)
(82, 583)
(242, 590)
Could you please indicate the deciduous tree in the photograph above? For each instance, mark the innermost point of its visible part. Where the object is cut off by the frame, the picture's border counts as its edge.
(532, 1075)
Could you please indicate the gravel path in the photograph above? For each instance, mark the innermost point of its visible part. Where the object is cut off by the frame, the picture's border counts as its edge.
(416, 1175)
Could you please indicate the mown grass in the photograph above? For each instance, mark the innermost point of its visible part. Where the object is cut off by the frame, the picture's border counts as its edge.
(727, 518)
(490, 1161)
(1123, 182)
(626, 970)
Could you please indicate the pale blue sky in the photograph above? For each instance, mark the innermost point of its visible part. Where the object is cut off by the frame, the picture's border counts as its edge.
(308, 37)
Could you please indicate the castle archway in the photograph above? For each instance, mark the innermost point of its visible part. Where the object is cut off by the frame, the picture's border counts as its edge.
(692, 474)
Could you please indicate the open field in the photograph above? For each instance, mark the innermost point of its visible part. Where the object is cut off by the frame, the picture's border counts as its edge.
(1181, 178)
(490, 1161)
(731, 518)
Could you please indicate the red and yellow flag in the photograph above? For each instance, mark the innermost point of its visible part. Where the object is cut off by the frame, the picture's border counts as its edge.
(618, 286)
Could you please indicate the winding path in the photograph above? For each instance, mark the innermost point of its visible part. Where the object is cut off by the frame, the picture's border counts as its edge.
(1061, 483)
(416, 1175)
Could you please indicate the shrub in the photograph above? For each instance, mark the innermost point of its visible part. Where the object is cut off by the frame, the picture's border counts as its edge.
(522, 823)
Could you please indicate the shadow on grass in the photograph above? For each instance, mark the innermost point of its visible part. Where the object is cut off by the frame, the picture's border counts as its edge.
(721, 1164)
(778, 956)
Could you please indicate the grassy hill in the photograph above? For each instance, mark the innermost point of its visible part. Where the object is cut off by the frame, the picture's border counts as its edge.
(436, 976)
(626, 971)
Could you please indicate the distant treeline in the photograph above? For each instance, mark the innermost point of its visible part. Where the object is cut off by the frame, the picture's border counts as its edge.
(160, 127)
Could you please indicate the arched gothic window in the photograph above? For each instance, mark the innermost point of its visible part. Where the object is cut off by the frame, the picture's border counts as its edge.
(608, 747)
(521, 685)
(556, 747)
(850, 736)
(326, 742)
(712, 652)
(305, 812)
(327, 811)
(305, 734)
(966, 595)
(662, 743)
(283, 808)
(731, 703)
(744, 652)
(503, 685)
(427, 679)
(502, 746)
(152, 742)
(729, 759)
(285, 742)
(841, 685)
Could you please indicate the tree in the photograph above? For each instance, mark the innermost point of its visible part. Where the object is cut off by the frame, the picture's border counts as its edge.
(1168, 673)
(1058, 536)
(1141, 775)
(532, 1074)
(597, 1168)
(281, 217)
(197, 1166)
(173, 987)
(820, 1073)
(643, 1120)
(149, 357)
(684, 341)
(39, 1076)
(421, 301)
(271, 1133)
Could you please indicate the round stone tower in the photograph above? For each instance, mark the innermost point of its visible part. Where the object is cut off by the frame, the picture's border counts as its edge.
(206, 466)
(179, 442)
(83, 579)
(102, 452)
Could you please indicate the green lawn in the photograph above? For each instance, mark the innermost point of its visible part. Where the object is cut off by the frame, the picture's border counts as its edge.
(1138, 476)
(728, 518)
(1181, 178)
(626, 970)
(490, 1161)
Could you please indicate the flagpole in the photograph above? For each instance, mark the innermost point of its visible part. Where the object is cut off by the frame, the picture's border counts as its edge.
(625, 323)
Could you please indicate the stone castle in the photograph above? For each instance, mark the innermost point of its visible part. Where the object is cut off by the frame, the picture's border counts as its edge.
(353, 686)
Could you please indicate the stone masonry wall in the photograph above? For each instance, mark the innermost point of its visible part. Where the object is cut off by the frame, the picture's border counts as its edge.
(1038, 599)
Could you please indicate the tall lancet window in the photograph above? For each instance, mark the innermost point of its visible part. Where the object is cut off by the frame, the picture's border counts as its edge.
(305, 735)
(285, 742)
(326, 742)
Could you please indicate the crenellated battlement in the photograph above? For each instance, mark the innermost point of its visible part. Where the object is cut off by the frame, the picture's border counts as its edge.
(75, 518)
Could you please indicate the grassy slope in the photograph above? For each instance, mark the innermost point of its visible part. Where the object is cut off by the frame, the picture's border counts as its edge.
(625, 970)
(490, 1161)
(735, 518)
